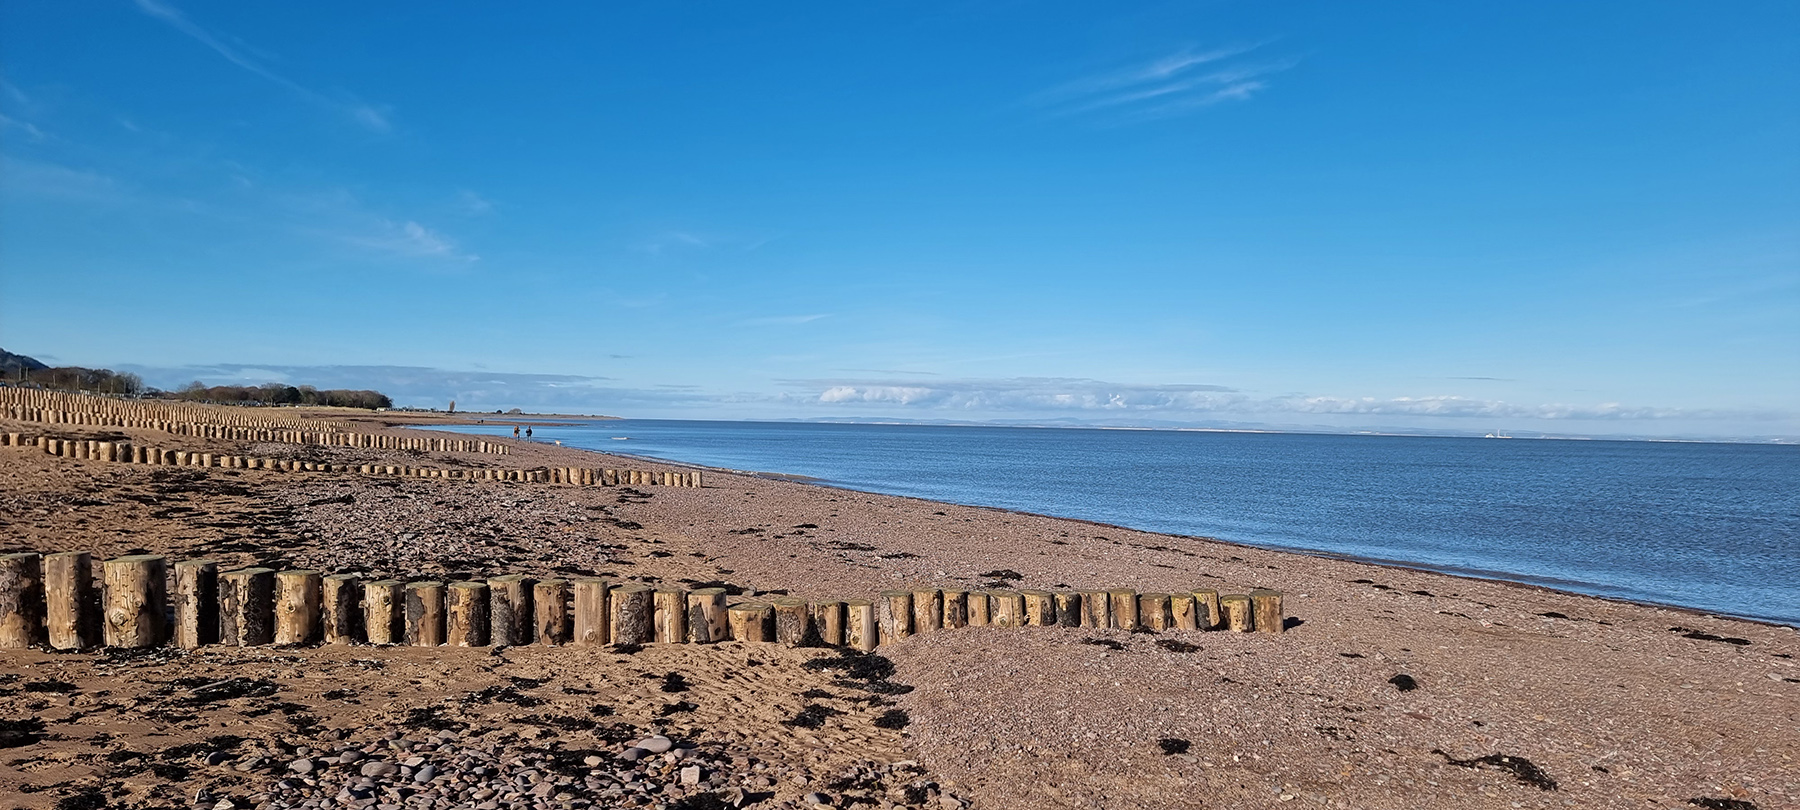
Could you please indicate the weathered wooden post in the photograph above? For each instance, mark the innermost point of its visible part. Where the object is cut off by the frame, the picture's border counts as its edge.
(1181, 611)
(633, 614)
(1068, 609)
(1008, 608)
(550, 602)
(1266, 605)
(707, 622)
(137, 599)
(593, 622)
(981, 608)
(1096, 609)
(1040, 608)
(21, 600)
(466, 615)
(1207, 613)
(247, 607)
(927, 610)
(509, 608)
(297, 597)
(425, 614)
(791, 617)
(860, 627)
(196, 603)
(384, 611)
(1236, 607)
(671, 609)
(750, 621)
(338, 604)
(894, 610)
(71, 618)
(1124, 608)
(828, 623)
(956, 609)
(1153, 611)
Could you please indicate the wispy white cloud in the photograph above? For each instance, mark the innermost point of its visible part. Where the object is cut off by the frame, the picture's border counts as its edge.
(473, 204)
(411, 240)
(376, 118)
(30, 130)
(783, 320)
(1163, 87)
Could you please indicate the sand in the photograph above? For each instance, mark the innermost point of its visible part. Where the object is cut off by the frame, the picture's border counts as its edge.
(1520, 696)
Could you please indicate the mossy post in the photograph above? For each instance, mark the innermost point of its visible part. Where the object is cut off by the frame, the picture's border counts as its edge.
(196, 603)
(550, 605)
(707, 622)
(136, 597)
(1236, 607)
(384, 611)
(72, 615)
(21, 600)
(1266, 605)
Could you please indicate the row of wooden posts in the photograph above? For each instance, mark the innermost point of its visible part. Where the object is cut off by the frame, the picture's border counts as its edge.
(51, 599)
(122, 452)
(65, 407)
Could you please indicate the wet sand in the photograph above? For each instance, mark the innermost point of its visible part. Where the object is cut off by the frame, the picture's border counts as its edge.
(1519, 696)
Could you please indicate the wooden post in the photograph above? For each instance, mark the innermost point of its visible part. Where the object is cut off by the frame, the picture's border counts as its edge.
(550, 602)
(791, 617)
(1236, 607)
(424, 614)
(1008, 610)
(1207, 614)
(927, 610)
(21, 600)
(338, 608)
(981, 608)
(706, 620)
(72, 620)
(1153, 611)
(1096, 609)
(671, 616)
(1068, 609)
(895, 613)
(956, 609)
(297, 597)
(196, 603)
(593, 626)
(136, 595)
(466, 614)
(633, 614)
(1181, 611)
(1267, 607)
(828, 623)
(509, 608)
(750, 621)
(247, 607)
(1124, 608)
(860, 627)
(384, 611)
(1040, 608)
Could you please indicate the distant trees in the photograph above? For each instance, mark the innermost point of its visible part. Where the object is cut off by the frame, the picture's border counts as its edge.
(76, 378)
(279, 394)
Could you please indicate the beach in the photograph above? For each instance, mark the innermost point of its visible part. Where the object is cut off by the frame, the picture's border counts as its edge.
(1390, 688)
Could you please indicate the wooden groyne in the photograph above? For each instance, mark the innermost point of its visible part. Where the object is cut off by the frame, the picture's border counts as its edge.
(129, 453)
(63, 601)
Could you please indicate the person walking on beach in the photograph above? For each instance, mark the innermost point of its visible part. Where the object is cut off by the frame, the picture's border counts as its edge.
(515, 431)
(528, 434)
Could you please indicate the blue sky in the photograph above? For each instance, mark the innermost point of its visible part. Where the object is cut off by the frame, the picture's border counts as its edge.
(1573, 218)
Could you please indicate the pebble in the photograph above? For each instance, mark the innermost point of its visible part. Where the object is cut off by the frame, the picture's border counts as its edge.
(379, 768)
(690, 775)
(425, 774)
(302, 766)
(818, 799)
(655, 744)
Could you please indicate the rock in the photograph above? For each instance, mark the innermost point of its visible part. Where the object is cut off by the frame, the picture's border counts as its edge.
(302, 766)
(425, 774)
(633, 754)
(951, 803)
(379, 768)
(592, 761)
(818, 799)
(690, 775)
(656, 744)
(217, 758)
(349, 757)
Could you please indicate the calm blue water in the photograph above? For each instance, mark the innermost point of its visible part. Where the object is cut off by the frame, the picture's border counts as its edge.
(1709, 526)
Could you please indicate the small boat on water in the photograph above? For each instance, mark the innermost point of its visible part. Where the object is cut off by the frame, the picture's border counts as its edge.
(620, 438)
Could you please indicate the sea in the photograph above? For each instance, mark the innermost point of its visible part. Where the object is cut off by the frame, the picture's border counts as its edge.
(1714, 527)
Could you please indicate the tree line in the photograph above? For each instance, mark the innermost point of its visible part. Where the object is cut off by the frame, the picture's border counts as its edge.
(126, 384)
